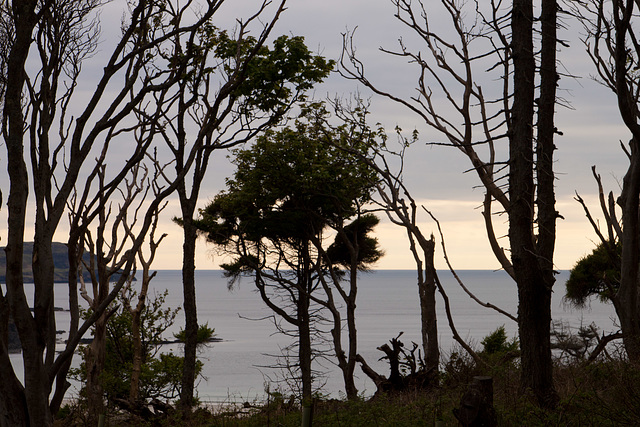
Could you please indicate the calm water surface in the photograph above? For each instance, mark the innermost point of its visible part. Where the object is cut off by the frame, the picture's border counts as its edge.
(238, 367)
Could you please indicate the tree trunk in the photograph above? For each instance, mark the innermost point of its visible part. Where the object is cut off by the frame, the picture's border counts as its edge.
(136, 368)
(304, 347)
(12, 400)
(73, 255)
(346, 362)
(190, 309)
(136, 320)
(30, 405)
(349, 383)
(94, 360)
(533, 277)
(626, 299)
(305, 356)
(534, 320)
(428, 316)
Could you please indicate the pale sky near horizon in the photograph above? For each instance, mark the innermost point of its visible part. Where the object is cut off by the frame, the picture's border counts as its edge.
(435, 175)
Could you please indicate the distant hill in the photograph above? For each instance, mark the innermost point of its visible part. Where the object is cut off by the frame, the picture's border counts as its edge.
(60, 262)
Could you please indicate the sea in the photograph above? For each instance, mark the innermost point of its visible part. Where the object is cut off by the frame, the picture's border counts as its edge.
(247, 360)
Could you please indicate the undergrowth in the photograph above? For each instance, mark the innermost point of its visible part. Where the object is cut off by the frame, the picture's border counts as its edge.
(601, 393)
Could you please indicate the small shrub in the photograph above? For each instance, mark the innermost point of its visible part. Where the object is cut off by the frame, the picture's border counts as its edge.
(204, 334)
(497, 343)
(161, 373)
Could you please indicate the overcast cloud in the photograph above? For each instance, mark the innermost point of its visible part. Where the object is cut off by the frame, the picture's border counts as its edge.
(435, 175)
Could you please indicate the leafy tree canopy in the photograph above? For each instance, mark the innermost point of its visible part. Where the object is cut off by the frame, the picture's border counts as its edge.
(292, 183)
(597, 274)
(272, 76)
(357, 233)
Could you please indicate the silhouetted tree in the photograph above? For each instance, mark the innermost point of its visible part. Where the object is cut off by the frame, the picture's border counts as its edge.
(505, 41)
(353, 251)
(288, 189)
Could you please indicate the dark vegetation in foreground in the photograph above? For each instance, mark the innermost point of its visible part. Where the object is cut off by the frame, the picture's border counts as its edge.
(605, 392)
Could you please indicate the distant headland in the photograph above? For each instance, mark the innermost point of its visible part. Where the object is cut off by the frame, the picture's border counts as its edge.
(60, 262)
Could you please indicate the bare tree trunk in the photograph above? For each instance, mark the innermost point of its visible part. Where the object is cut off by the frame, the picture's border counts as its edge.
(534, 292)
(36, 401)
(346, 362)
(190, 309)
(136, 368)
(428, 317)
(94, 360)
(136, 326)
(305, 356)
(304, 348)
(74, 255)
(349, 383)
(626, 299)
(13, 409)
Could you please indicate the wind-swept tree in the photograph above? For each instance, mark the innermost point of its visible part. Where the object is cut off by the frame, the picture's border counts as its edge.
(288, 189)
(507, 135)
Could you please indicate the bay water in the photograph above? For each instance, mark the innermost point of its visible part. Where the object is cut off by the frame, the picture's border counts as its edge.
(239, 367)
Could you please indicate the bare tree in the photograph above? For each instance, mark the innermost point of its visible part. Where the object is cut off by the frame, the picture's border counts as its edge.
(370, 146)
(496, 134)
(106, 247)
(108, 250)
(613, 47)
(395, 199)
(145, 261)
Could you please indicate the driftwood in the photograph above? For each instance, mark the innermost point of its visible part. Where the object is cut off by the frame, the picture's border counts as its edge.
(418, 378)
(145, 410)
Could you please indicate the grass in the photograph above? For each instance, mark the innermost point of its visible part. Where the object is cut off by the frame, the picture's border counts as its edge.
(602, 393)
(605, 393)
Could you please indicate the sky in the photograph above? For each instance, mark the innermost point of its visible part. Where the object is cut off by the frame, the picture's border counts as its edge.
(436, 176)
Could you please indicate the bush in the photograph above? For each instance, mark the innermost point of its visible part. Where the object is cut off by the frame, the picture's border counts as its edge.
(496, 343)
(161, 373)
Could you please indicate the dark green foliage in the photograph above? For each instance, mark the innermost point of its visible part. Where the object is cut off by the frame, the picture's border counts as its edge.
(597, 274)
(161, 372)
(498, 353)
(288, 187)
(497, 342)
(356, 234)
(205, 334)
(289, 61)
(272, 77)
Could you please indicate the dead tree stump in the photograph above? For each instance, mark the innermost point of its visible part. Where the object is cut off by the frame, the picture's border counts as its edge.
(476, 406)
